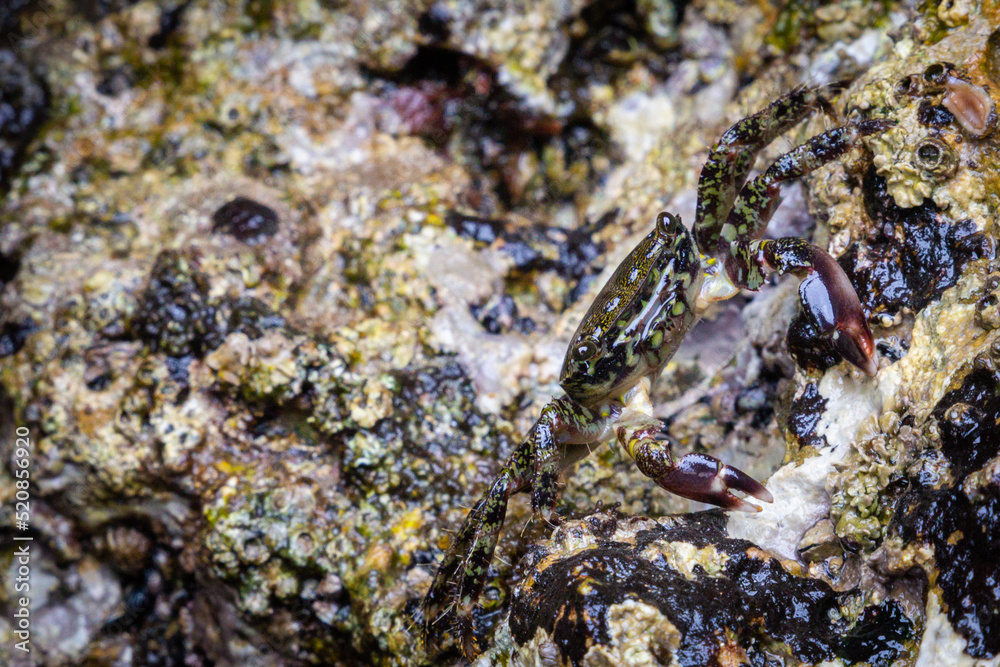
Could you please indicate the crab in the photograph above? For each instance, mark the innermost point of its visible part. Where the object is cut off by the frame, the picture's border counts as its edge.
(638, 321)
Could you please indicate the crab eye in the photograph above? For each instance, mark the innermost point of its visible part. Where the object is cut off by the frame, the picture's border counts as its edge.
(666, 223)
(585, 351)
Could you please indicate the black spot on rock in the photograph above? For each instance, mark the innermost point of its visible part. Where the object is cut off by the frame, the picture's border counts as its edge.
(14, 334)
(879, 637)
(934, 115)
(9, 266)
(434, 22)
(473, 227)
(23, 102)
(809, 349)
(174, 313)
(497, 317)
(177, 367)
(524, 255)
(251, 316)
(917, 253)
(968, 436)
(246, 220)
(892, 349)
(804, 417)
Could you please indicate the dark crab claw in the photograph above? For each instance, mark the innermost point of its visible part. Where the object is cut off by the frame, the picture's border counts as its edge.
(830, 300)
(708, 480)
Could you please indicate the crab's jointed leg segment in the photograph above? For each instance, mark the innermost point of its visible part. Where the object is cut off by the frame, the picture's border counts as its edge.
(826, 293)
(732, 158)
(536, 462)
(759, 198)
(460, 578)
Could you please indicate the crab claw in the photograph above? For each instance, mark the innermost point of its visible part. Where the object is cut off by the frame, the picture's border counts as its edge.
(830, 300)
(706, 479)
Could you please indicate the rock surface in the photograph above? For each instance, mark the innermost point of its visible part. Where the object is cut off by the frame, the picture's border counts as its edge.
(281, 283)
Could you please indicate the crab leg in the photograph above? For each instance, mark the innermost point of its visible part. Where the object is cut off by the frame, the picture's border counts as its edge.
(759, 198)
(536, 462)
(732, 158)
(461, 575)
(826, 293)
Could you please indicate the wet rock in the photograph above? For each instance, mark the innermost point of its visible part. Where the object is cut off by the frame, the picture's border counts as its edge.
(958, 519)
(882, 635)
(269, 445)
(23, 103)
(805, 415)
(608, 589)
(916, 254)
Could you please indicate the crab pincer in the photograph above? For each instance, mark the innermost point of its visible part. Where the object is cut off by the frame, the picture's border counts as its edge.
(706, 479)
(829, 299)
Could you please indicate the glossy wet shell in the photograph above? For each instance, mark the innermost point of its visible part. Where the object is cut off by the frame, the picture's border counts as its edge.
(637, 318)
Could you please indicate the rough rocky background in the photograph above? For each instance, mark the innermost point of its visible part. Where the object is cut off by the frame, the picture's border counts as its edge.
(282, 282)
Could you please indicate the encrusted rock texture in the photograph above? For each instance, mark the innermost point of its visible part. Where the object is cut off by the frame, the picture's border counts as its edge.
(282, 283)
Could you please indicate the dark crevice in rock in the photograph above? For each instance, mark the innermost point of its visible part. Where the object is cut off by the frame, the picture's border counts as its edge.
(24, 102)
(170, 21)
(9, 266)
(456, 102)
(14, 334)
